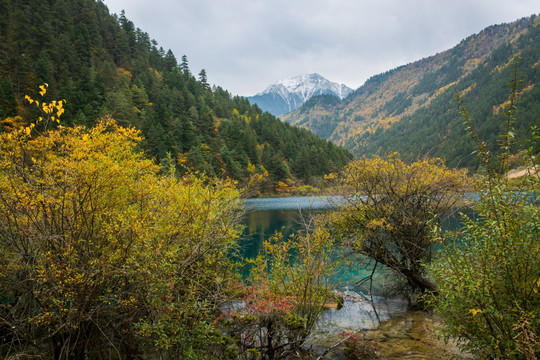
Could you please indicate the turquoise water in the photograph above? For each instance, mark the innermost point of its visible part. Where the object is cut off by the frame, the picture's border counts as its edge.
(266, 216)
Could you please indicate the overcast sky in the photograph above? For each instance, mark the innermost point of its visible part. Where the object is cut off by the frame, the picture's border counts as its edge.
(245, 45)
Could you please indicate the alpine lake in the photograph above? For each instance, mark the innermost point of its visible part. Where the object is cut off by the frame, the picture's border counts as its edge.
(381, 316)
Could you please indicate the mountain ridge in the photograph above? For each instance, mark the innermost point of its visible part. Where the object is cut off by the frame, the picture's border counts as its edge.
(420, 95)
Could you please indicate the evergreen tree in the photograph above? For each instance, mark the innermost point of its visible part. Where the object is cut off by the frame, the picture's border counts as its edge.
(184, 66)
(203, 79)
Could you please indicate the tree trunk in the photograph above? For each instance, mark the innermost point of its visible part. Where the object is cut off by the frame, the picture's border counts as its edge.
(419, 281)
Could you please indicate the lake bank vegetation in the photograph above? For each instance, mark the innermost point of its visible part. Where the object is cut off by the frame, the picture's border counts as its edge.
(489, 271)
(105, 254)
(390, 208)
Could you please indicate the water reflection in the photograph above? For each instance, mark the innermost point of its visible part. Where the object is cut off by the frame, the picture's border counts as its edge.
(266, 216)
(293, 203)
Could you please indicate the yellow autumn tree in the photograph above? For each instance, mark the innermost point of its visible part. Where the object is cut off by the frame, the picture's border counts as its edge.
(389, 208)
(102, 257)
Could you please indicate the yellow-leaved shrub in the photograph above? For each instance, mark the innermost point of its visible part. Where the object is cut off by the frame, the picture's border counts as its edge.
(100, 255)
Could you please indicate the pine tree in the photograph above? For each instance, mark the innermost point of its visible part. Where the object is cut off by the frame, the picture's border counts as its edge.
(203, 79)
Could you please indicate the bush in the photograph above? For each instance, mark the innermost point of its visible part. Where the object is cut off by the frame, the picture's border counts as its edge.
(389, 209)
(488, 273)
(488, 277)
(291, 282)
(102, 257)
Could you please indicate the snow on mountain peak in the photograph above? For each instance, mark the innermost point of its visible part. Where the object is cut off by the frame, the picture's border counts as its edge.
(287, 95)
(306, 86)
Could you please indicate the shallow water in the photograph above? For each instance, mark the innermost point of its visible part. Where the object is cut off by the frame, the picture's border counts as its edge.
(396, 332)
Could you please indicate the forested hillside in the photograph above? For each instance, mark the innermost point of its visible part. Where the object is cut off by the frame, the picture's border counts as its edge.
(104, 66)
(412, 109)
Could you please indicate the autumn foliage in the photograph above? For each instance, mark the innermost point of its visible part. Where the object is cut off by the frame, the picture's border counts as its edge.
(489, 271)
(390, 207)
(290, 283)
(101, 256)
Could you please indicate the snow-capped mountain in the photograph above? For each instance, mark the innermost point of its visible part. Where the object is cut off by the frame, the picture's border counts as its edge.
(288, 95)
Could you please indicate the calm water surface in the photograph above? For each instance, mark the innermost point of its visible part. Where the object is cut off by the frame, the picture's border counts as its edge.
(266, 216)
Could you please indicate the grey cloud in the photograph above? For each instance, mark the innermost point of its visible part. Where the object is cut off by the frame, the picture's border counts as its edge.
(246, 44)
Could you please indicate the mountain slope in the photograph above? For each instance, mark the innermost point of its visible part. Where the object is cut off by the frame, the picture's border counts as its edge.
(104, 66)
(287, 95)
(412, 109)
